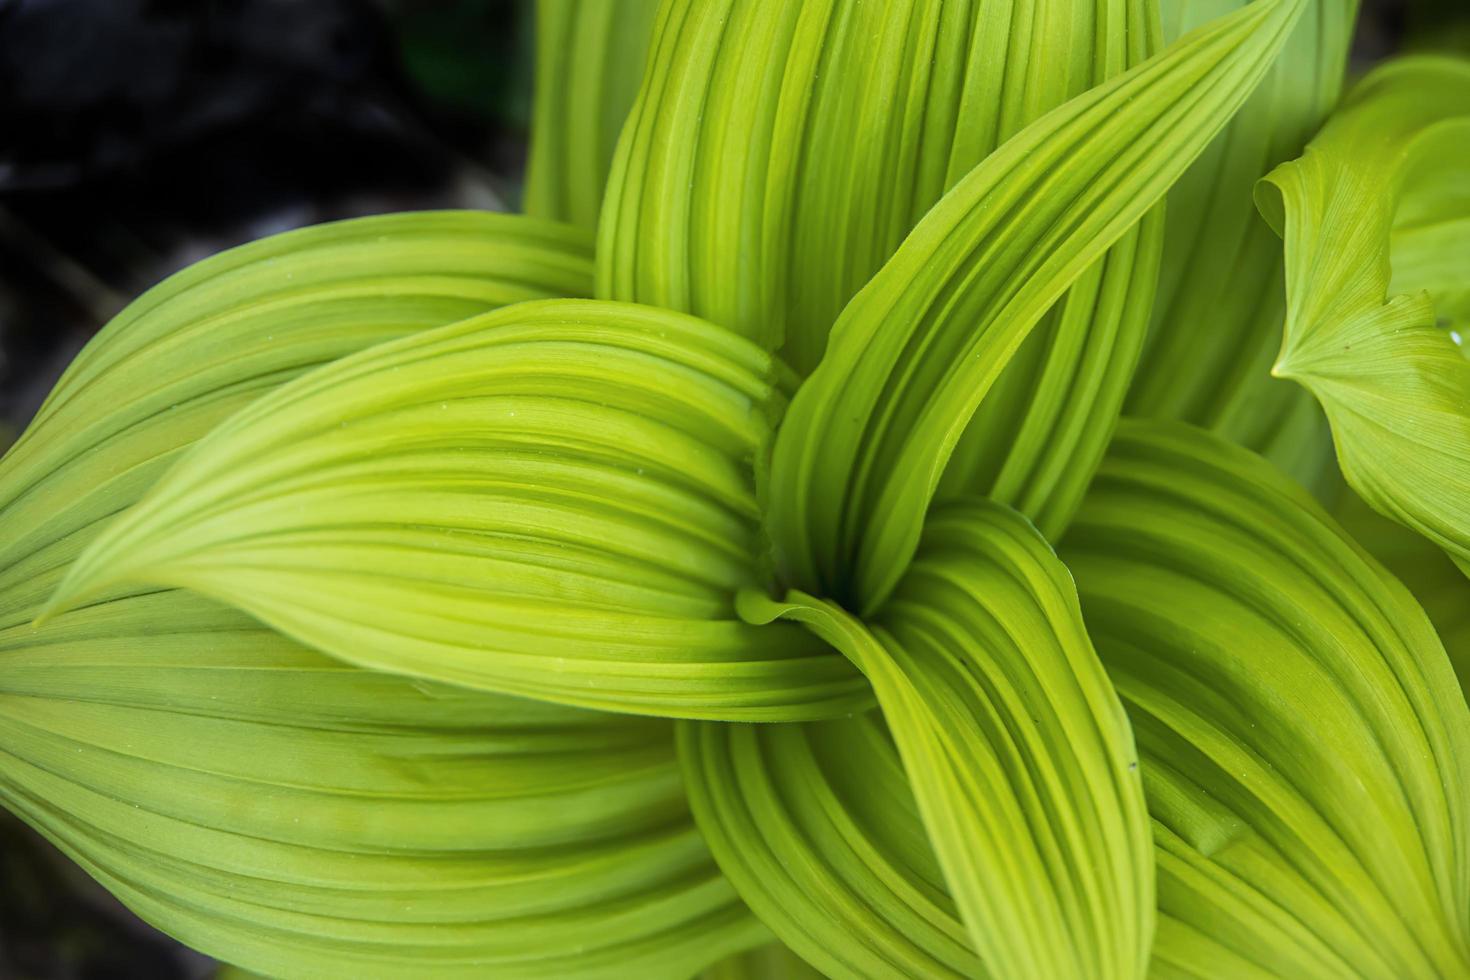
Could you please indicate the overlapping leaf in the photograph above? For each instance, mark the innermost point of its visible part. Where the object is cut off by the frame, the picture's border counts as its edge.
(1302, 738)
(589, 61)
(770, 234)
(282, 810)
(1435, 581)
(770, 962)
(1379, 202)
(559, 500)
(854, 119)
(818, 829)
(913, 354)
(1217, 318)
(265, 803)
(554, 500)
(1020, 758)
(207, 341)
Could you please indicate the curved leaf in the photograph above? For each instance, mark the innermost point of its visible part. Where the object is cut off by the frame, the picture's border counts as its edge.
(212, 338)
(1394, 384)
(554, 500)
(267, 804)
(589, 61)
(1217, 318)
(1019, 754)
(284, 811)
(862, 449)
(818, 830)
(1427, 571)
(773, 233)
(1301, 734)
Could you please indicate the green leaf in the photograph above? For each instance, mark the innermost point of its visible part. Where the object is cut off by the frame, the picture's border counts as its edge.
(913, 355)
(211, 339)
(1377, 201)
(816, 826)
(282, 810)
(554, 500)
(772, 962)
(1301, 734)
(1436, 582)
(1220, 302)
(273, 806)
(1019, 754)
(589, 61)
(773, 233)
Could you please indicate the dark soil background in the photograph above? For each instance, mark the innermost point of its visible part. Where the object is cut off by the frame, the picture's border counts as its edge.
(138, 136)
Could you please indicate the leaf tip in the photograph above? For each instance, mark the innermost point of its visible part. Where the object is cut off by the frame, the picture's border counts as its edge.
(91, 575)
(69, 595)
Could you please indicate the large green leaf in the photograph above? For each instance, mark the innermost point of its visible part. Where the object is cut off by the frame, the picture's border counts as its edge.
(273, 806)
(282, 810)
(773, 233)
(1379, 201)
(1302, 737)
(589, 61)
(1216, 324)
(1020, 758)
(816, 826)
(912, 356)
(211, 339)
(554, 500)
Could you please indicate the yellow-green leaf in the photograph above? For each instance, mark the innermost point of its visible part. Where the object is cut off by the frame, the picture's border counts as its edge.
(773, 233)
(1302, 738)
(1019, 754)
(267, 804)
(555, 500)
(298, 816)
(589, 61)
(818, 830)
(912, 356)
(1378, 202)
(1217, 319)
(1430, 575)
(209, 340)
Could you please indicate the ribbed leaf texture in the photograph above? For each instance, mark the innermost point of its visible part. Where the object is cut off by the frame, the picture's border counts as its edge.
(257, 799)
(774, 233)
(912, 355)
(662, 584)
(1378, 203)
(1301, 734)
(1217, 317)
(589, 63)
(554, 501)
(1018, 752)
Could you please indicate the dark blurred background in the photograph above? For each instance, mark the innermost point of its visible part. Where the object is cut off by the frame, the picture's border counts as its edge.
(138, 136)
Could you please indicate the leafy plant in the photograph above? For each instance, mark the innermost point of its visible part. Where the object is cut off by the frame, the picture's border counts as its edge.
(617, 589)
